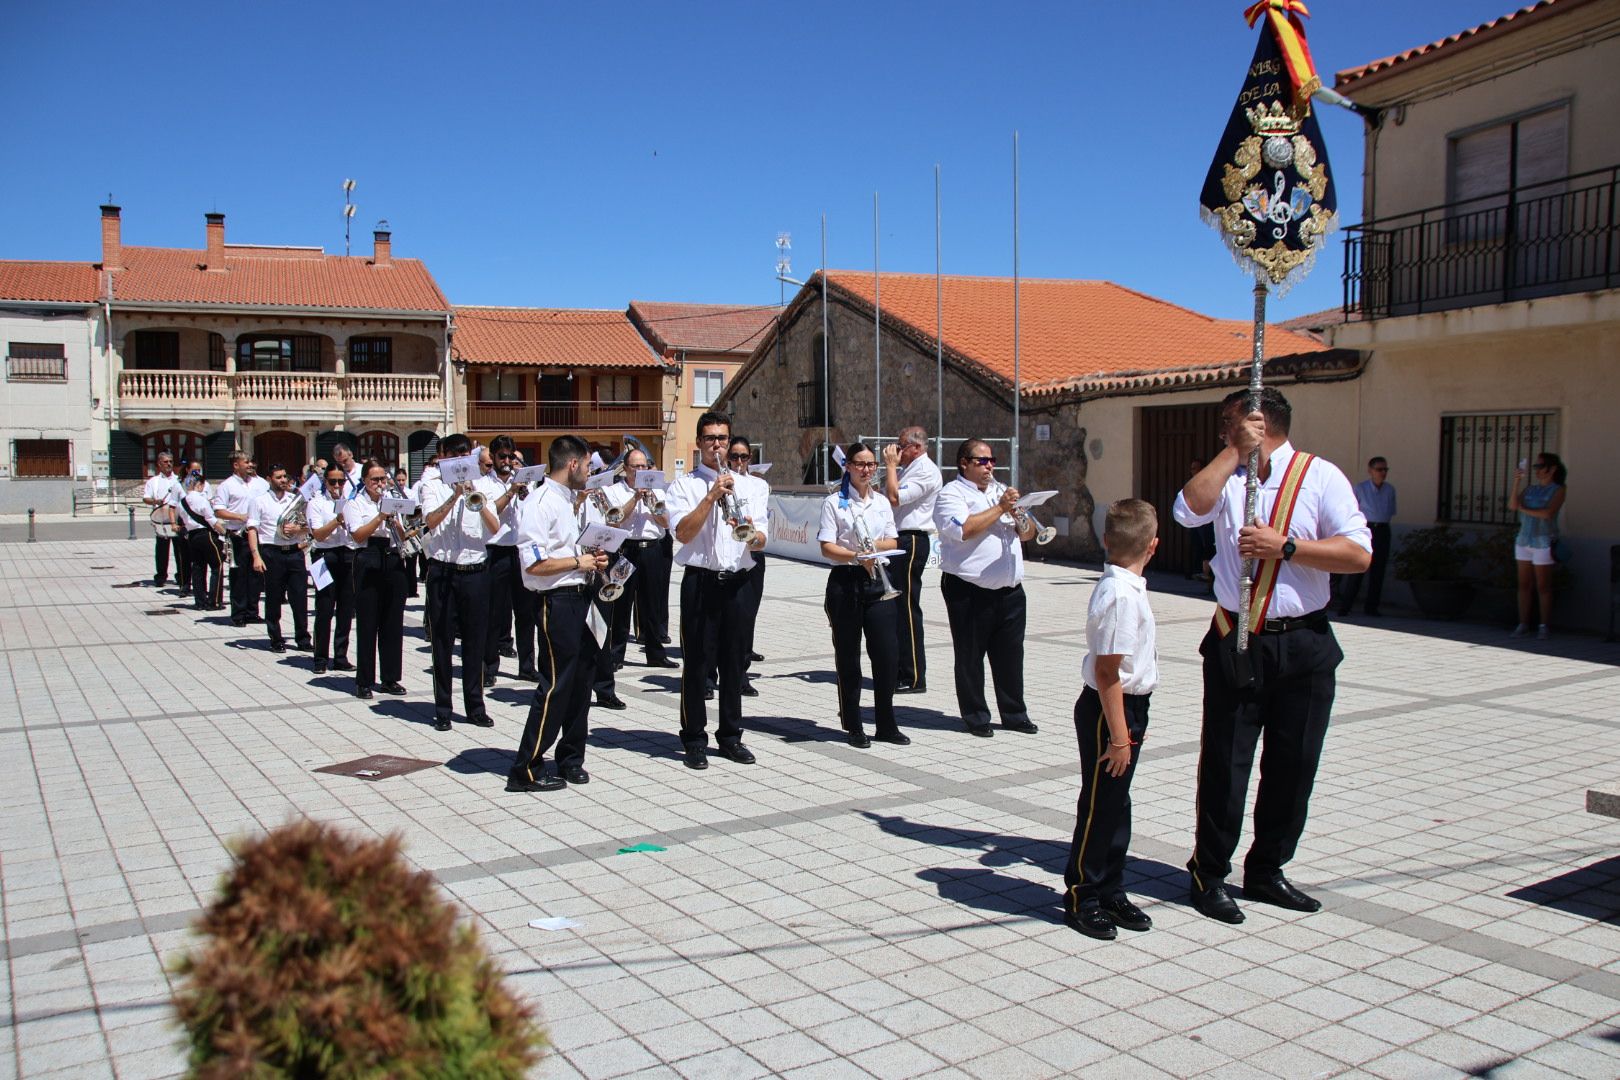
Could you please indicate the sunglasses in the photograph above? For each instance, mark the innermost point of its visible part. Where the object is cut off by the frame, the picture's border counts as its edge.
(980, 460)
(739, 457)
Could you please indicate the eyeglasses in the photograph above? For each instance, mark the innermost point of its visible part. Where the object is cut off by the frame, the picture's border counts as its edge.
(980, 460)
(334, 479)
(863, 464)
(1542, 465)
(713, 438)
(740, 457)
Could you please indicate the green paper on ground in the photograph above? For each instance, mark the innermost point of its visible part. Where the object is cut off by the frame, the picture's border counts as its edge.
(633, 848)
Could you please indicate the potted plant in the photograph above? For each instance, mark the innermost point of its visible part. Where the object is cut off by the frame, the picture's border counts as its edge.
(327, 955)
(1434, 562)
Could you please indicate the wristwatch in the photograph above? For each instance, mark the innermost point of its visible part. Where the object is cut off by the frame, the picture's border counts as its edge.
(1288, 549)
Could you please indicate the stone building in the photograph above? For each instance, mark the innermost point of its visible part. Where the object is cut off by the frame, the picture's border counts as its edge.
(1118, 388)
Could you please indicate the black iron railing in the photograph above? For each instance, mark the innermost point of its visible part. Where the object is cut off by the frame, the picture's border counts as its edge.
(1547, 239)
(814, 410)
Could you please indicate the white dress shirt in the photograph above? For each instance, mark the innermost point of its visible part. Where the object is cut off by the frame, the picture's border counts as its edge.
(461, 536)
(1120, 623)
(356, 482)
(265, 511)
(235, 495)
(548, 528)
(919, 485)
(201, 513)
(321, 510)
(494, 489)
(992, 560)
(1326, 507)
(160, 487)
(639, 522)
(359, 510)
(714, 548)
(843, 521)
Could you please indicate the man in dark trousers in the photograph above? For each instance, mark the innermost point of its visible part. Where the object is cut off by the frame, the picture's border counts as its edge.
(1282, 687)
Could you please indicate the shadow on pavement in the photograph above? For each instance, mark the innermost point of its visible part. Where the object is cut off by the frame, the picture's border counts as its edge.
(482, 759)
(1591, 892)
(988, 890)
(415, 712)
(649, 741)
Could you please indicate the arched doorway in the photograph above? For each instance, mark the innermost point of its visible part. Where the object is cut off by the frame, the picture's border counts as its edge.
(382, 445)
(285, 448)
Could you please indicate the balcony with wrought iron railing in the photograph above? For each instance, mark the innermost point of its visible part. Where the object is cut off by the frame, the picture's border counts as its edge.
(558, 415)
(1548, 239)
(314, 394)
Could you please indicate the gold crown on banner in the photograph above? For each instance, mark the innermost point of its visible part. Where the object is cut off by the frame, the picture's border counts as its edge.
(1273, 119)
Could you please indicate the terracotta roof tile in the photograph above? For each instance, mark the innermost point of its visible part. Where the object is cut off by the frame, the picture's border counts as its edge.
(550, 337)
(66, 282)
(275, 277)
(1069, 331)
(1473, 35)
(715, 328)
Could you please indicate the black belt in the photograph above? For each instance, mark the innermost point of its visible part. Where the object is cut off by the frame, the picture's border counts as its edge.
(718, 575)
(566, 589)
(459, 568)
(914, 532)
(379, 542)
(641, 543)
(1316, 620)
(285, 549)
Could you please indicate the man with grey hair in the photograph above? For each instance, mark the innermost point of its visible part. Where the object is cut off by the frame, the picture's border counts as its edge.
(159, 487)
(911, 483)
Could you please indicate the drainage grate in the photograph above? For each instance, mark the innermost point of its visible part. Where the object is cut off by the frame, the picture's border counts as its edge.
(163, 611)
(378, 767)
(101, 568)
(129, 585)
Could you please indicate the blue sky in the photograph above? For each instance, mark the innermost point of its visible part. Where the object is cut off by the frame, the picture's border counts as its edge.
(583, 155)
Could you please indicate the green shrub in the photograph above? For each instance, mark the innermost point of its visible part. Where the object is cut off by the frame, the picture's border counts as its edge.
(329, 956)
(1438, 553)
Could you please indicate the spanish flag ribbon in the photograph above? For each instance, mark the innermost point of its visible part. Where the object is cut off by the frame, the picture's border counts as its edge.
(1283, 18)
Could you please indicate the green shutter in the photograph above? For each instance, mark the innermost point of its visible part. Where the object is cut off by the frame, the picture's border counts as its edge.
(216, 454)
(126, 456)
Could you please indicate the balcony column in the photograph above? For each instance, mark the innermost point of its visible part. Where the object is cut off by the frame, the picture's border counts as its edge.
(441, 360)
(230, 381)
(340, 368)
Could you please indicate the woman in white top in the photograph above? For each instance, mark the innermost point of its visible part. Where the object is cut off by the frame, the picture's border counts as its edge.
(856, 519)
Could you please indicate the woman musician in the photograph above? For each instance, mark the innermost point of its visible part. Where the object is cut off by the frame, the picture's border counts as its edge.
(379, 585)
(855, 519)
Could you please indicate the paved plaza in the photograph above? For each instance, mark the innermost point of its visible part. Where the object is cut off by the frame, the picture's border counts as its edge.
(830, 911)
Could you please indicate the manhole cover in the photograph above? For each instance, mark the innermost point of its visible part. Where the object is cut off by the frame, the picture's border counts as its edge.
(378, 767)
(164, 611)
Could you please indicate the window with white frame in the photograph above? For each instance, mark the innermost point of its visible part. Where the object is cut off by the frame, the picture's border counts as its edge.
(706, 386)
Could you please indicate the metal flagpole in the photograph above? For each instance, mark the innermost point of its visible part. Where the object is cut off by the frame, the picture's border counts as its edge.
(939, 333)
(877, 322)
(1251, 486)
(826, 376)
(1017, 374)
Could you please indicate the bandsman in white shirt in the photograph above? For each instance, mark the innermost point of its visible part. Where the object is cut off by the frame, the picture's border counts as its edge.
(232, 499)
(159, 487)
(379, 586)
(563, 579)
(277, 551)
(593, 507)
(343, 457)
(755, 492)
(714, 591)
(202, 532)
(982, 576)
(647, 591)
(457, 585)
(911, 482)
(1280, 689)
(330, 544)
(856, 519)
(182, 549)
(509, 601)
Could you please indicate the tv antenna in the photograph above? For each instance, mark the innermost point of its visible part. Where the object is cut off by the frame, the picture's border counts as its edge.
(348, 212)
(784, 264)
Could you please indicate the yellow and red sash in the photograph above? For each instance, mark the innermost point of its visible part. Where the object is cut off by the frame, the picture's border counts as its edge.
(1283, 18)
(1281, 514)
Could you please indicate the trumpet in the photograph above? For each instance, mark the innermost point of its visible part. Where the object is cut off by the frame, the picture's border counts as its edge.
(653, 499)
(1021, 518)
(613, 579)
(474, 501)
(875, 568)
(409, 532)
(731, 510)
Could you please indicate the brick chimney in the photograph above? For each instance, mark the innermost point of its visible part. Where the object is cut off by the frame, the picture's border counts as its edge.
(216, 242)
(382, 238)
(112, 242)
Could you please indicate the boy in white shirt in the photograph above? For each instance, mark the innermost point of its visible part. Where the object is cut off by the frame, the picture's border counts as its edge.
(1120, 671)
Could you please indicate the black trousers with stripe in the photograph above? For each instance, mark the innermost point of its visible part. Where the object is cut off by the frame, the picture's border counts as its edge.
(906, 571)
(714, 625)
(1289, 708)
(207, 584)
(379, 615)
(336, 600)
(246, 582)
(1095, 871)
(987, 623)
(560, 711)
(854, 609)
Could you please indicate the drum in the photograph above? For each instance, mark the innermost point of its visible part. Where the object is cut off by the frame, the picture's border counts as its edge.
(162, 522)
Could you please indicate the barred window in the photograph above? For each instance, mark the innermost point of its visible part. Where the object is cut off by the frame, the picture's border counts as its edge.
(28, 361)
(1478, 456)
(371, 356)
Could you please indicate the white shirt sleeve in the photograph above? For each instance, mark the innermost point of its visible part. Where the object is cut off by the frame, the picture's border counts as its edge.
(950, 511)
(828, 532)
(1184, 514)
(1340, 514)
(1110, 631)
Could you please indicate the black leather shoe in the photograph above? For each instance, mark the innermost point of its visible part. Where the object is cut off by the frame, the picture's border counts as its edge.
(898, 738)
(391, 688)
(364, 693)
(748, 689)
(576, 775)
(305, 646)
(610, 701)
(755, 657)
(662, 661)
(441, 723)
(1275, 889)
(1023, 726)
(547, 782)
(509, 652)
(1215, 903)
(255, 618)
(482, 721)
(1093, 922)
(1126, 915)
(342, 665)
(739, 753)
(664, 638)
(708, 695)
(238, 623)
(981, 730)
(528, 675)
(278, 646)
(695, 757)
(858, 739)
(919, 688)
(320, 667)
(489, 680)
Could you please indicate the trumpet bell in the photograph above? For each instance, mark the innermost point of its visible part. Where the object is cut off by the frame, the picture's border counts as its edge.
(614, 515)
(1045, 535)
(744, 533)
(610, 592)
(475, 501)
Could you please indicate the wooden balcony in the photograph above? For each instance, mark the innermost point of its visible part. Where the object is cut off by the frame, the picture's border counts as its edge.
(297, 395)
(565, 416)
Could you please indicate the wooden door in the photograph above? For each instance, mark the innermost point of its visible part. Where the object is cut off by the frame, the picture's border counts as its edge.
(1172, 438)
(284, 448)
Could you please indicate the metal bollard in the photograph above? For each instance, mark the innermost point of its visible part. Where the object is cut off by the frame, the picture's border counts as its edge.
(132, 523)
(30, 524)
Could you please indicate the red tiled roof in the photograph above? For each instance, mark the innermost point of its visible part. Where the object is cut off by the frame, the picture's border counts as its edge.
(550, 337)
(64, 282)
(1472, 36)
(1070, 332)
(275, 277)
(1314, 322)
(713, 328)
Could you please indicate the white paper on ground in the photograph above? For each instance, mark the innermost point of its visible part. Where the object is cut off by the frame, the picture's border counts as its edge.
(555, 924)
